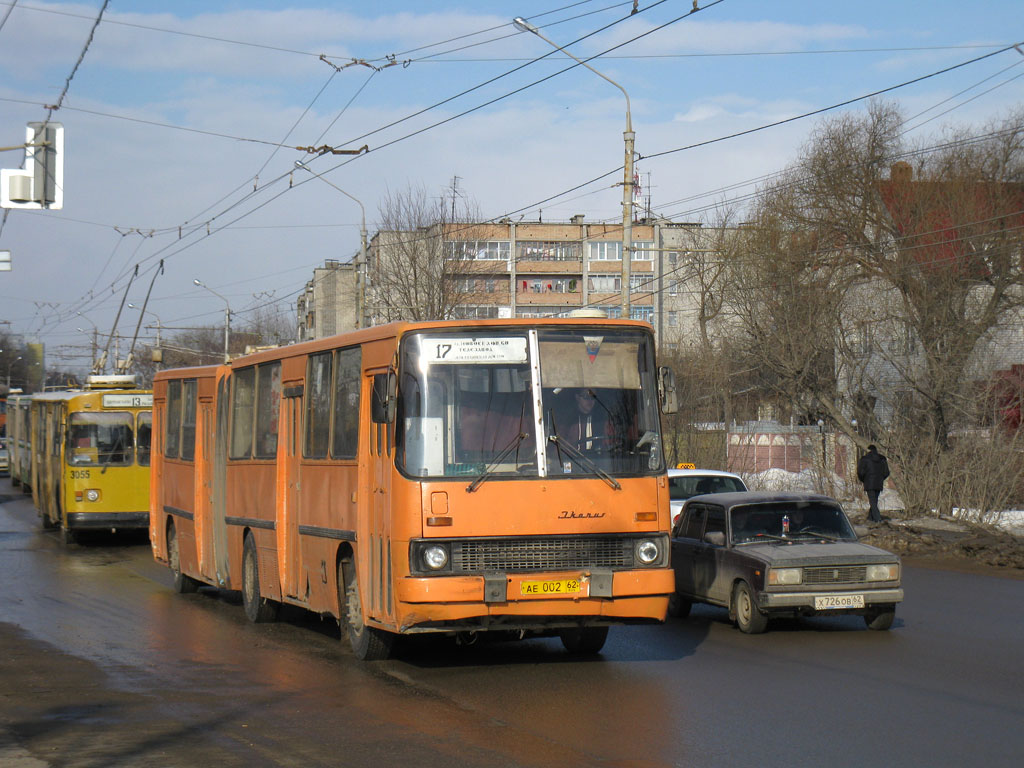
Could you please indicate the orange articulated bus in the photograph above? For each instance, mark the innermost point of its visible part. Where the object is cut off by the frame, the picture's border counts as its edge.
(450, 476)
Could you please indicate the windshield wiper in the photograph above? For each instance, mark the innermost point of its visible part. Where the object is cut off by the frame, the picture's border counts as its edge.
(119, 445)
(815, 535)
(489, 469)
(757, 537)
(585, 461)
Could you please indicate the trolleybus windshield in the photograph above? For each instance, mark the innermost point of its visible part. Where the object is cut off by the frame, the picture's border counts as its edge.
(472, 404)
(96, 439)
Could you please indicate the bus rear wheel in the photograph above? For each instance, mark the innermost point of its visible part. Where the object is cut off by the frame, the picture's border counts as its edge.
(258, 608)
(368, 643)
(44, 516)
(584, 640)
(182, 583)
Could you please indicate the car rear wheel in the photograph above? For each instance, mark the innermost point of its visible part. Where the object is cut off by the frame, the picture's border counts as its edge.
(880, 620)
(748, 618)
(678, 606)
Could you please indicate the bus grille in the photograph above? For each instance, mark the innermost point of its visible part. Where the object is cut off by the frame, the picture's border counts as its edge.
(844, 574)
(541, 554)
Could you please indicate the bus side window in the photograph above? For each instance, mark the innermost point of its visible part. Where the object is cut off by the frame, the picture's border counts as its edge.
(243, 394)
(318, 406)
(348, 367)
(172, 442)
(268, 406)
(188, 421)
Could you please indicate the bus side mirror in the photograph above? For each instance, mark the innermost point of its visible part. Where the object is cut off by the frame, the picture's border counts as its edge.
(383, 403)
(667, 390)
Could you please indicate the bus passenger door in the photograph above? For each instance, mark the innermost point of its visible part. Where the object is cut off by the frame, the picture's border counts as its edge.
(203, 491)
(375, 552)
(288, 489)
(218, 487)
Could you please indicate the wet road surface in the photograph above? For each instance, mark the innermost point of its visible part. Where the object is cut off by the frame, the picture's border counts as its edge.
(101, 664)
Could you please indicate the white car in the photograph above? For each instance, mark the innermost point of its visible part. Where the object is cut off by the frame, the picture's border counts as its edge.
(684, 483)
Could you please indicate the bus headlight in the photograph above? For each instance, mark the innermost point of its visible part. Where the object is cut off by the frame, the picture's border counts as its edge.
(647, 551)
(92, 495)
(435, 557)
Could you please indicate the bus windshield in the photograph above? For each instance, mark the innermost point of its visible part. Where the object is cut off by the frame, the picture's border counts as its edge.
(470, 404)
(100, 439)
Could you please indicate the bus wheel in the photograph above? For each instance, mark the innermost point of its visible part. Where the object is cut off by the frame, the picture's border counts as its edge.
(47, 521)
(584, 639)
(368, 643)
(257, 608)
(182, 583)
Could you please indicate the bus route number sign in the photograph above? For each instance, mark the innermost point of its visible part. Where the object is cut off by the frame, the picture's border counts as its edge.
(128, 401)
(500, 349)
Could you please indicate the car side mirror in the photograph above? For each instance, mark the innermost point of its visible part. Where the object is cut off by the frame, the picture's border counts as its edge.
(715, 538)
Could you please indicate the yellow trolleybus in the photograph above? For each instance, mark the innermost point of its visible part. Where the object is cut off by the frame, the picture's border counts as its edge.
(90, 455)
(454, 477)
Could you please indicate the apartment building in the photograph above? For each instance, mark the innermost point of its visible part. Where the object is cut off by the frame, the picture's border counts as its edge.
(327, 304)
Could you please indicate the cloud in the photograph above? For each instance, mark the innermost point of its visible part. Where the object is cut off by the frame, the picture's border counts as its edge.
(695, 37)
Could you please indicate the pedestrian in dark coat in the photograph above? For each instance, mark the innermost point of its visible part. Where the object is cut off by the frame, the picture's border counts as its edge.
(872, 469)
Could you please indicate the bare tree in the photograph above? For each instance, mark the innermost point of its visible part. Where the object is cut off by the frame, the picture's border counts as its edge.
(873, 287)
(419, 260)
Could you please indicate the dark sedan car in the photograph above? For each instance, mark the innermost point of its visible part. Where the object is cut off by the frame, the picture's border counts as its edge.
(779, 554)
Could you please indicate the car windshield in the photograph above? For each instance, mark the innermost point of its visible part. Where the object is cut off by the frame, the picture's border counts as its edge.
(682, 487)
(789, 521)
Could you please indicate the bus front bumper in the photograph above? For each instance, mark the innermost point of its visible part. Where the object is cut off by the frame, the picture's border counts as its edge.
(84, 521)
(620, 596)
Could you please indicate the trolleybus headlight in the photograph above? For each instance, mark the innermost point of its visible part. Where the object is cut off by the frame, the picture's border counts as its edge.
(647, 551)
(435, 557)
(92, 495)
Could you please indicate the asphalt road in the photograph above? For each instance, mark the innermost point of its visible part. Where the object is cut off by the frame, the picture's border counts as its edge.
(101, 664)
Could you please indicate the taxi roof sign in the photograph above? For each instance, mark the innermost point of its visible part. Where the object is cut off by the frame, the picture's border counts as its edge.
(686, 465)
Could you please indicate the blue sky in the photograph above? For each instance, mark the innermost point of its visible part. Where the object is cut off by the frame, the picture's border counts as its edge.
(175, 116)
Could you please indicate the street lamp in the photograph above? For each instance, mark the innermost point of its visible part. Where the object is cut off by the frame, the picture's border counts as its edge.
(156, 350)
(9, 364)
(361, 266)
(98, 364)
(227, 316)
(627, 180)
